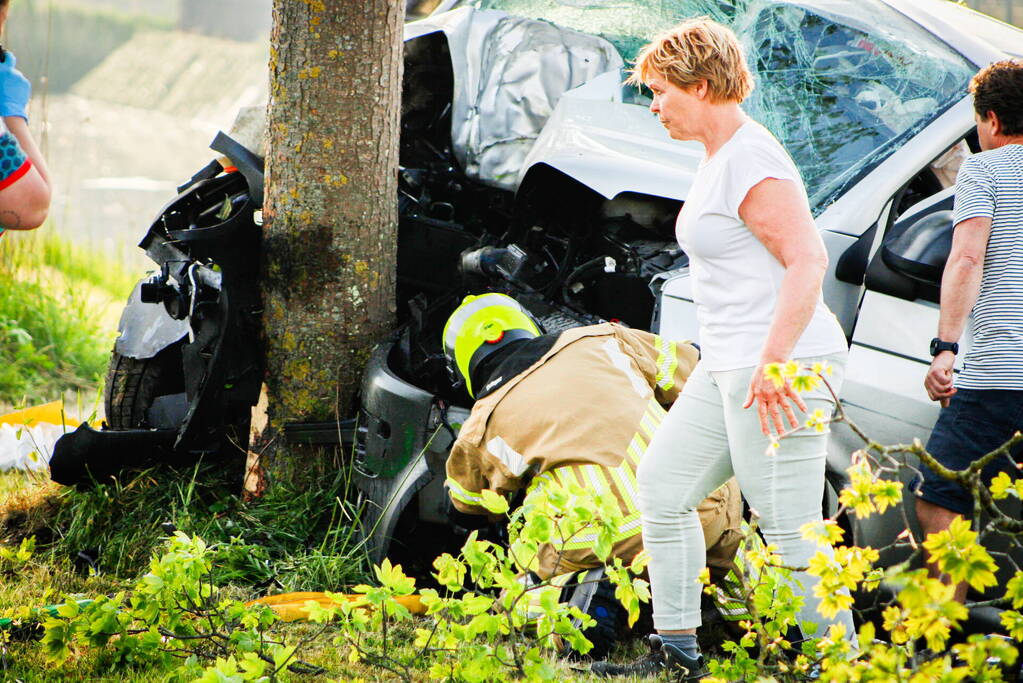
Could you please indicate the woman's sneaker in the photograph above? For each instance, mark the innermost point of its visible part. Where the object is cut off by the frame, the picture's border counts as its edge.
(662, 657)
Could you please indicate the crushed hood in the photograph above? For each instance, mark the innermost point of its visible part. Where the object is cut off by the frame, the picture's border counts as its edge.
(509, 73)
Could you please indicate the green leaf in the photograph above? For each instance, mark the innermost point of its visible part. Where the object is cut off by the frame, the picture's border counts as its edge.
(1014, 589)
(56, 639)
(1002, 486)
(69, 610)
(494, 502)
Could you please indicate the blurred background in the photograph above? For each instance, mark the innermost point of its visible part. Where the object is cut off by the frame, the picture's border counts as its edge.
(1009, 11)
(127, 95)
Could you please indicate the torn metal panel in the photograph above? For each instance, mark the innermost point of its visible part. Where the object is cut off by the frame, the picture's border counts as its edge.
(612, 146)
(509, 73)
(146, 329)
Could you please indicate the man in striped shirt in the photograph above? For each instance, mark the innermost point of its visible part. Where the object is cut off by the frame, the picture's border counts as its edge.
(983, 407)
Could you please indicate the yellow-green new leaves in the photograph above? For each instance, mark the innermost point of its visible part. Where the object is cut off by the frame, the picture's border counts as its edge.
(494, 501)
(818, 420)
(450, 572)
(492, 622)
(984, 656)
(1013, 623)
(925, 609)
(561, 516)
(392, 577)
(630, 591)
(1014, 590)
(976, 660)
(173, 613)
(1003, 486)
(957, 553)
(839, 575)
(867, 492)
(826, 532)
(13, 559)
(801, 378)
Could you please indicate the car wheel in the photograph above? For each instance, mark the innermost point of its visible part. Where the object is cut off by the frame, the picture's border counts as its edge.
(132, 384)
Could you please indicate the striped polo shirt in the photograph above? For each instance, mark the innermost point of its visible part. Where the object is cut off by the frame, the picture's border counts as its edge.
(990, 184)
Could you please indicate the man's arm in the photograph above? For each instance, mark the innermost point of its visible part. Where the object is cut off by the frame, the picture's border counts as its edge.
(960, 286)
(465, 482)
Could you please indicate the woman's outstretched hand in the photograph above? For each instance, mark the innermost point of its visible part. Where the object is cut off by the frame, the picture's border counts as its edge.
(772, 400)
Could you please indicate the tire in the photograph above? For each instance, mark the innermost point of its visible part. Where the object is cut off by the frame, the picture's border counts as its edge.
(133, 383)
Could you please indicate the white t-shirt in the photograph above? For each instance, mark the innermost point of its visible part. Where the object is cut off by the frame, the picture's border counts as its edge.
(735, 279)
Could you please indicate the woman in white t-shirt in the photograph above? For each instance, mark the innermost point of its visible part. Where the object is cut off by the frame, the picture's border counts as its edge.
(756, 264)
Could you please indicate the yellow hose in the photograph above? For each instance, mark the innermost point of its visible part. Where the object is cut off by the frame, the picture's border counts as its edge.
(48, 412)
(292, 606)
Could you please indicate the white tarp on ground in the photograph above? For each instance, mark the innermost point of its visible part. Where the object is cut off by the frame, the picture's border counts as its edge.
(27, 436)
(28, 447)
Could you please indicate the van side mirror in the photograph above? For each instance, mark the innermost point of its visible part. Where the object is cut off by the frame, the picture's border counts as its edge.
(921, 250)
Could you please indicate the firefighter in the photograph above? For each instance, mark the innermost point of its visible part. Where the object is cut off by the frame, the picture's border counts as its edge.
(579, 406)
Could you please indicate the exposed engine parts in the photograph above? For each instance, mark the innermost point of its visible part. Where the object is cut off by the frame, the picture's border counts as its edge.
(567, 253)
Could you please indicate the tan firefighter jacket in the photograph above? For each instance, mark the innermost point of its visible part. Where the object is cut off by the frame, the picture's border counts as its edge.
(585, 412)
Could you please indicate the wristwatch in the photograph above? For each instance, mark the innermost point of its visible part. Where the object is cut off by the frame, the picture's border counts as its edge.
(937, 346)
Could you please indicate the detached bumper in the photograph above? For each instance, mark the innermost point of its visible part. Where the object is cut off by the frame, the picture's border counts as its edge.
(85, 454)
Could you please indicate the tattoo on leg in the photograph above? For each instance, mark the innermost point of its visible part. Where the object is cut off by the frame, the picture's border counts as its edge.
(10, 219)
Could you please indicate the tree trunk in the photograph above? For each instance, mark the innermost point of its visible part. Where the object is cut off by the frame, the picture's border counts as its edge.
(330, 219)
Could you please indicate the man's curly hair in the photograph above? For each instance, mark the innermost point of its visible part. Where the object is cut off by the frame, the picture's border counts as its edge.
(998, 88)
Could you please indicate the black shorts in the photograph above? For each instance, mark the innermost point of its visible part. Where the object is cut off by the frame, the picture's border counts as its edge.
(976, 422)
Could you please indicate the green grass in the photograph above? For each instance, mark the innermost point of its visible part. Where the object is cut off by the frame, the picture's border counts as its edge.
(44, 248)
(85, 265)
(300, 535)
(297, 537)
(58, 304)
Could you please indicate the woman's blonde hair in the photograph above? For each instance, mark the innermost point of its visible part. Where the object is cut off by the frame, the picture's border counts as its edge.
(697, 49)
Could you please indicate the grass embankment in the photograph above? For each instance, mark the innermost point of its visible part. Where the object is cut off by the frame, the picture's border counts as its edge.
(299, 536)
(59, 305)
(63, 40)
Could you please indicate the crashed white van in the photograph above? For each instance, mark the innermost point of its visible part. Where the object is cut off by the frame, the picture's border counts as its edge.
(527, 167)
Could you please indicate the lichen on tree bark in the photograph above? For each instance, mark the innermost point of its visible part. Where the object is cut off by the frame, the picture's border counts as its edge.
(330, 221)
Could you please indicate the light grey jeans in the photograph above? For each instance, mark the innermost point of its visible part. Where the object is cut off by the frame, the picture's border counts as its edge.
(704, 439)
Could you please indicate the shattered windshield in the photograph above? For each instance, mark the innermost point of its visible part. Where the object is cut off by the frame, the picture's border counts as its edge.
(841, 83)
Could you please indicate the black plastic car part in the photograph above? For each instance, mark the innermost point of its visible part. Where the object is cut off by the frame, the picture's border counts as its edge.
(88, 455)
(885, 275)
(921, 250)
(208, 245)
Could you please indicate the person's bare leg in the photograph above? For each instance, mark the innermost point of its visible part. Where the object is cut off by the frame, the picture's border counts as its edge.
(934, 518)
